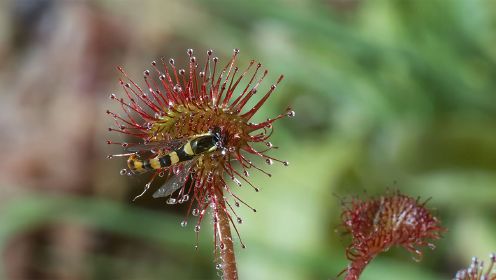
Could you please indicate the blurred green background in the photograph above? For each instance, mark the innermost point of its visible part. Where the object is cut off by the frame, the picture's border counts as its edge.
(387, 94)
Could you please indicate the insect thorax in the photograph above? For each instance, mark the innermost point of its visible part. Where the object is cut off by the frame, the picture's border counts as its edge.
(204, 144)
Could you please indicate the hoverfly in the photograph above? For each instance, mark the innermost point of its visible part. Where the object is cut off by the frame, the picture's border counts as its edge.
(172, 153)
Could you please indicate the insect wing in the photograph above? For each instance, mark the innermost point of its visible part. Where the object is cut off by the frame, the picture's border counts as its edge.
(164, 145)
(175, 182)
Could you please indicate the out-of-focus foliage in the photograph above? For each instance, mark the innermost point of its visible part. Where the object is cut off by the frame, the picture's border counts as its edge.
(387, 94)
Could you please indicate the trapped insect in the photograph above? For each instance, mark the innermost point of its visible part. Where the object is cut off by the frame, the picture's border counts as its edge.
(178, 155)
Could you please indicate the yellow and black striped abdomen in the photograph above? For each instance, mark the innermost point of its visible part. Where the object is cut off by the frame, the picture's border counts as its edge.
(142, 165)
(184, 153)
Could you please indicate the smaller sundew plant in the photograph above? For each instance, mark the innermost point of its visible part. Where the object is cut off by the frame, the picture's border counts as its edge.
(377, 224)
(193, 126)
(478, 271)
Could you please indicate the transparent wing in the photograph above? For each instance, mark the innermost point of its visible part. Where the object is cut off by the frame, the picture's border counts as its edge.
(175, 182)
(165, 145)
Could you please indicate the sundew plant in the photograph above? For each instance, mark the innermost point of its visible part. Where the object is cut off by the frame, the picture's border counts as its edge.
(193, 126)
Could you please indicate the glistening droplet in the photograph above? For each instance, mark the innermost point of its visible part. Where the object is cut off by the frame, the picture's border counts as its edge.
(195, 212)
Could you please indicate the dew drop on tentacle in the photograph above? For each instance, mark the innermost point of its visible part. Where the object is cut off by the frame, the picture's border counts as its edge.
(177, 89)
(198, 183)
(195, 212)
(269, 161)
(123, 171)
(197, 228)
(235, 180)
(185, 198)
(210, 177)
(184, 223)
(171, 201)
(240, 221)
(291, 113)
(417, 256)
(285, 163)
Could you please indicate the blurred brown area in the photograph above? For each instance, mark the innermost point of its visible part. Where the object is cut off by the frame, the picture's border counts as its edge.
(53, 100)
(52, 109)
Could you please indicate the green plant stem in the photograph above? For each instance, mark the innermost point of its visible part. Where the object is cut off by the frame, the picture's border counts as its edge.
(225, 244)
